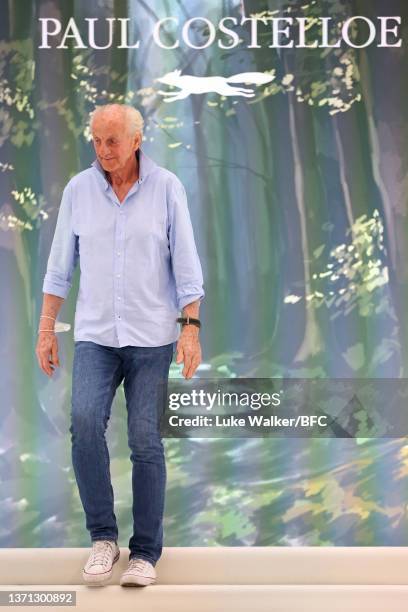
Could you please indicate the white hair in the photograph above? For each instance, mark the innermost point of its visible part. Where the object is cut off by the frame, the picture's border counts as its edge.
(132, 117)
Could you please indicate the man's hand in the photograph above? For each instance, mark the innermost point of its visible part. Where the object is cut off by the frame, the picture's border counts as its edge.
(47, 352)
(189, 350)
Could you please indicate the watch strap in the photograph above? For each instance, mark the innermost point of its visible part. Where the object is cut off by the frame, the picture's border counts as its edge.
(189, 321)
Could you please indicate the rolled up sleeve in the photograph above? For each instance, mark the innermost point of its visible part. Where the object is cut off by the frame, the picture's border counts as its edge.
(64, 251)
(184, 257)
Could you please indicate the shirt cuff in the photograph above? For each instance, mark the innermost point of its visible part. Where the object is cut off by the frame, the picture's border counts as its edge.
(56, 287)
(189, 298)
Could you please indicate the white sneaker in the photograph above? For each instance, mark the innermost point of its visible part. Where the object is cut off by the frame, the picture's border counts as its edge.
(138, 573)
(99, 566)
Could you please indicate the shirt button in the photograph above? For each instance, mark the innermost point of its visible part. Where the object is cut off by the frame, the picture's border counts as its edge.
(118, 297)
(118, 275)
(118, 316)
(118, 253)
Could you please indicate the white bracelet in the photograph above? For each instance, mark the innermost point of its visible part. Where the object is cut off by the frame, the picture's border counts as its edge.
(47, 316)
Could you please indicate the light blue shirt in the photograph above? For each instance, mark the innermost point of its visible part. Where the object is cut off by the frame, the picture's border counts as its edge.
(138, 259)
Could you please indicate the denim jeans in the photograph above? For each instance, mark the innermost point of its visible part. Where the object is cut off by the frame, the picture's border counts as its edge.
(97, 372)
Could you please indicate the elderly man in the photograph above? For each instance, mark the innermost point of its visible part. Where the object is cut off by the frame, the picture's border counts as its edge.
(126, 220)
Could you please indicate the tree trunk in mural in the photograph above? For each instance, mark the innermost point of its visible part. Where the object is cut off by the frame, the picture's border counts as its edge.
(387, 131)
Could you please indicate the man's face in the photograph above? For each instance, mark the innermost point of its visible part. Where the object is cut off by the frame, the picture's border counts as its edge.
(113, 144)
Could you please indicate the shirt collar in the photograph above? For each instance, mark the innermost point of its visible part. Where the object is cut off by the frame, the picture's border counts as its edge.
(146, 165)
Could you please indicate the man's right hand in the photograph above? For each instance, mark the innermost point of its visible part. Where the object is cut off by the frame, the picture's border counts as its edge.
(47, 352)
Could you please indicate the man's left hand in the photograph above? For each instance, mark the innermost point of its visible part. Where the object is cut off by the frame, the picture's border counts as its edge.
(189, 350)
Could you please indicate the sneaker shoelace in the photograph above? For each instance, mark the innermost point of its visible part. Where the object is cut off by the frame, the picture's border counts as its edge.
(138, 564)
(100, 552)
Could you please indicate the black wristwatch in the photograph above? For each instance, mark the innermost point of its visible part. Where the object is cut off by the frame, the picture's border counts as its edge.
(189, 321)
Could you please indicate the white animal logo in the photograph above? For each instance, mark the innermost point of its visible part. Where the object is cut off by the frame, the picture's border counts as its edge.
(190, 84)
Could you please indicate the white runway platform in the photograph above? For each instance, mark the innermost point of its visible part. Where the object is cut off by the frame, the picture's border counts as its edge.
(223, 579)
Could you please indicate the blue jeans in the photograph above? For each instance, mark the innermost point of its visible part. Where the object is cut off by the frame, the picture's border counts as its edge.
(97, 372)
